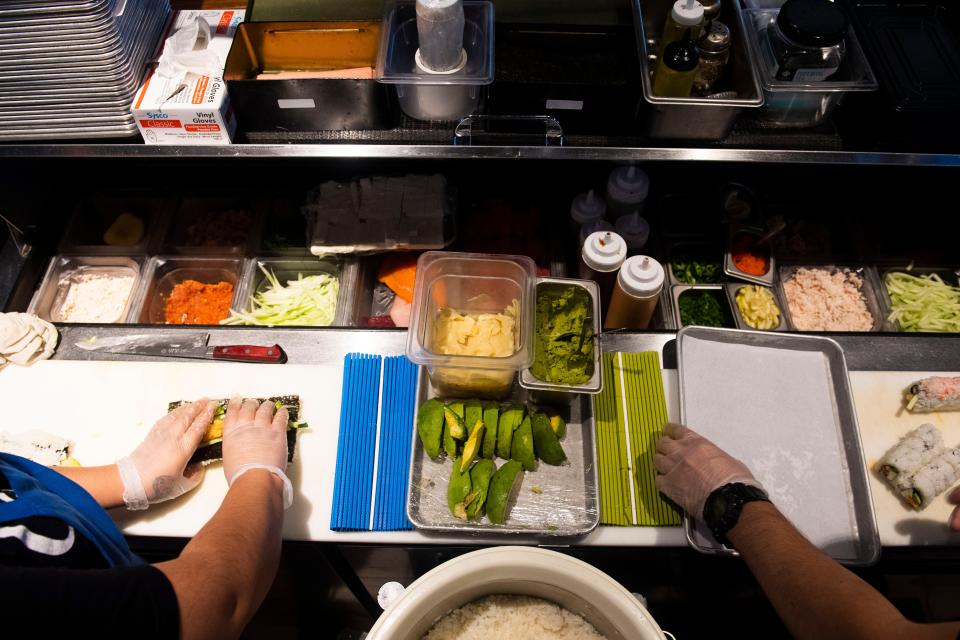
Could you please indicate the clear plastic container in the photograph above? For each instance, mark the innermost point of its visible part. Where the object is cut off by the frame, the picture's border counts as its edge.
(439, 96)
(216, 223)
(116, 216)
(795, 103)
(471, 284)
(166, 272)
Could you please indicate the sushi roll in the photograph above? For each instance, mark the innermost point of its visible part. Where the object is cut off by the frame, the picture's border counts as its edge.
(937, 393)
(908, 456)
(933, 479)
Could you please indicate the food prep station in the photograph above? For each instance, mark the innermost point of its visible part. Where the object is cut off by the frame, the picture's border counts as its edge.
(507, 195)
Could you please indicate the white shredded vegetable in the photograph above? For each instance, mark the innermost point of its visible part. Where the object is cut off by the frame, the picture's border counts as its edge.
(923, 303)
(307, 302)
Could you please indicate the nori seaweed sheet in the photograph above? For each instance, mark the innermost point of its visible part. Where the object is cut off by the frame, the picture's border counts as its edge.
(214, 450)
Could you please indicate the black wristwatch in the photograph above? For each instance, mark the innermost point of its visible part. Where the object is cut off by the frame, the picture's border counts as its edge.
(722, 509)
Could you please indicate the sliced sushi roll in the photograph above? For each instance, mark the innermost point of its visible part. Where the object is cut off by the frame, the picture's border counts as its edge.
(211, 447)
(933, 479)
(936, 393)
(916, 449)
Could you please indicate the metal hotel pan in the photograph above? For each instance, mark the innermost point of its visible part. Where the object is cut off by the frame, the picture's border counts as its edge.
(783, 404)
(568, 506)
(695, 118)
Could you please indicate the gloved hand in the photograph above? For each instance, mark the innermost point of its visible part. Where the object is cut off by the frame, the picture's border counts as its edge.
(157, 469)
(256, 438)
(954, 498)
(691, 467)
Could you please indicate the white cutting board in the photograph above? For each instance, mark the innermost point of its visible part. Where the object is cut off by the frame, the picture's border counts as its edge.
(878, 398)
(106, 408)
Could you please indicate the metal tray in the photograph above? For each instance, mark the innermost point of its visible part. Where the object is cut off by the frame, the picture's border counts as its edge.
(568, 507)
(695, 118)
(732, 288)
(165, 272)
(866, 290)
(704, 247)
(948, 275)
(546, 390)
(733, 271)
(677, 290)
(55, 285)
(783, 405)
(346, 270)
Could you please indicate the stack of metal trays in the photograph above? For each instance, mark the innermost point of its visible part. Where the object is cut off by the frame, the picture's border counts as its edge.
(70, 68)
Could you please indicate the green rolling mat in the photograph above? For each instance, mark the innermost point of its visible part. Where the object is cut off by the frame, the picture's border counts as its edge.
(629, 415)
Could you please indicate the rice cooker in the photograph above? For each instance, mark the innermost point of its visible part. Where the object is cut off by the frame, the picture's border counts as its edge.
(529, 571)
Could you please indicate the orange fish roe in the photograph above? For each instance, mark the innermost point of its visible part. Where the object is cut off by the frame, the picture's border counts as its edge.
(193, 302)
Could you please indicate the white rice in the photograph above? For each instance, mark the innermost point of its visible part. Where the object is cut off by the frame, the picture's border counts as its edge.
(512, 617)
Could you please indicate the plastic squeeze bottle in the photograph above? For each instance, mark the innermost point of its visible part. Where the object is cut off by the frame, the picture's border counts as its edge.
(601, 256)
(635, 295)
(593, 227)
(685, 14)
(627, 190)
(586, 207)
(677, 69)
(634, 230)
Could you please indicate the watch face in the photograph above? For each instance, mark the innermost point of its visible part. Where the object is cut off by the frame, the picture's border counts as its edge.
(715, 507)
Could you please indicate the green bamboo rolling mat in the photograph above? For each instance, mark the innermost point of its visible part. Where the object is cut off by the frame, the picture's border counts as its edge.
(629, 415)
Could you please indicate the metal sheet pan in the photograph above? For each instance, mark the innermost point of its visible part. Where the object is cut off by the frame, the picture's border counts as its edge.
(782, 404)
(568, 507)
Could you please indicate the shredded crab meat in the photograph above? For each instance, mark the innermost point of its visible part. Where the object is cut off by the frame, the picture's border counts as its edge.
(827, 299)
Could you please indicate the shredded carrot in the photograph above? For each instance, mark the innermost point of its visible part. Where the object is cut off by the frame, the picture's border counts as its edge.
(747, 258)
(193, 302)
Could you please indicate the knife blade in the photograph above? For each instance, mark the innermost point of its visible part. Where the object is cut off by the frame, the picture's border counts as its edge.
(190, 345)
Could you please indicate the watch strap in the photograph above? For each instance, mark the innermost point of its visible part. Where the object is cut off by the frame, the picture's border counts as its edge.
(723, 507)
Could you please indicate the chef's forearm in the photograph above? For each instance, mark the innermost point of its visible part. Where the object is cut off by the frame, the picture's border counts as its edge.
(223, 574)
(814, 595)
(103, 483)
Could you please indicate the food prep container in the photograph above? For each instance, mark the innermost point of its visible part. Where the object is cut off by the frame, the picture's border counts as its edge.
(948, 275)
(867, 290)
(730, 267)
(709, 118)
(285, 226)
(62, 272)
(567, 507)
(471, 283)
(790, 398)
(163, 273)
(437, 96)
(715, 290)
(544, 390)
(284, 269)
(692, 250)
(215, 223)
(578, 587)
(732, 288)
(285, 104)
(791, 104)
(95, 214)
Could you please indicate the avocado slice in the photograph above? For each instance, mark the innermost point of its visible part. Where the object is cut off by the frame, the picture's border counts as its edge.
(430, 426)
(455, 424)
(472, 412)
(458, 489)
(480, 483)
(509, 420)
(545, 441)
(504, 485)
(521, 449)
(491, 413)
(472, 447)
(559, 427)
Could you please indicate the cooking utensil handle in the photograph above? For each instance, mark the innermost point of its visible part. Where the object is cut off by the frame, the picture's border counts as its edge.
(250, 353)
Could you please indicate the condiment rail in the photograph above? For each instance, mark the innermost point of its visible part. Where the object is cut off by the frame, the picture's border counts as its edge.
(325, 349)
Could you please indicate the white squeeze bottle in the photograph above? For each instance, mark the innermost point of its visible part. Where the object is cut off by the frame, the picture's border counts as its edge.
(627, 190)
(635, 295)
(601, 256)
(593, 227)
(585, 208)
(634, 230)
(685, 14)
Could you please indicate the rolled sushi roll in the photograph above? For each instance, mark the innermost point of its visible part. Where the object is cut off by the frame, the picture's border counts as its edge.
(916, 449)
(937, 393)
(933, 479)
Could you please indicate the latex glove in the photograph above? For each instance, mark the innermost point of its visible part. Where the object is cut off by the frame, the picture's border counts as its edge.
(691, 467)
(954, 498)
(254, 437)
(157, 469)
